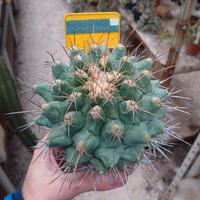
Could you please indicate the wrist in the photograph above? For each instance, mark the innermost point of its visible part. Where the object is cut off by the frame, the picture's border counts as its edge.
(27, 195)
(15, 196)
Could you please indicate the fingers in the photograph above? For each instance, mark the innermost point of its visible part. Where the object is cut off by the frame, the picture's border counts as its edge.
(82, 182)
(92, 181)
(97, 182)
(108, 182)
(43, 155)
(70, 184)
(40, 146)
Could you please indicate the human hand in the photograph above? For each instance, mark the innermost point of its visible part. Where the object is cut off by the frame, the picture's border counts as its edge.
(39, 182)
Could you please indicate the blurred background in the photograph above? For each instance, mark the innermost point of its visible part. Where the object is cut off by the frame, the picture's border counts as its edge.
(166, 30)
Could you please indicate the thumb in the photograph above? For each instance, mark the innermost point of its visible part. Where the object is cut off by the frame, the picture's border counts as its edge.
(110, 181)
(98, 182)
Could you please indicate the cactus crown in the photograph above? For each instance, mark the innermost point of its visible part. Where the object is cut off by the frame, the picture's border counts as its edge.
(104, 107)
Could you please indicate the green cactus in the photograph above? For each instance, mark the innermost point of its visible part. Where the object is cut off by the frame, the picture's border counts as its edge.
(148, 20)
(104, 107)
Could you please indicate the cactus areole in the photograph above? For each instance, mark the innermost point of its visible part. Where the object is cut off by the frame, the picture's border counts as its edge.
(103, 108)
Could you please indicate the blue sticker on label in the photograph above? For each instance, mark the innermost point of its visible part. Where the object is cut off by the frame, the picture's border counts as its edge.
(92, 26)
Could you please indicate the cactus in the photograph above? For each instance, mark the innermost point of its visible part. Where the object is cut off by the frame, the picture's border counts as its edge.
(148, 20)
(96, 5)
(9, 101)
(104, 107)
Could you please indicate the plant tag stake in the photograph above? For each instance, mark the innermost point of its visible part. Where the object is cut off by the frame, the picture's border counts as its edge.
(184, 168)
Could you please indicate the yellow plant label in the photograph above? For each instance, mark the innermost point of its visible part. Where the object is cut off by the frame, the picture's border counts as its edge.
(85, 29)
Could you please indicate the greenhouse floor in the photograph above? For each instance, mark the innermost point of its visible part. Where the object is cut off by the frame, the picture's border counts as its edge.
(40, 28)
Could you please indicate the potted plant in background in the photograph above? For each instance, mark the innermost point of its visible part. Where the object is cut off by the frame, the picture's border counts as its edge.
(148, 20)
(193, 39)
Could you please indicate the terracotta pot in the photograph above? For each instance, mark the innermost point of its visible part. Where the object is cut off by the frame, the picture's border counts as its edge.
(192, 49)
(163, 11)
(157, 3)
(193, 20)
(92, 3)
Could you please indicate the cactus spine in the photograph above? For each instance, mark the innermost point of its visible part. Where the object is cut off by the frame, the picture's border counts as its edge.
(104, 107)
